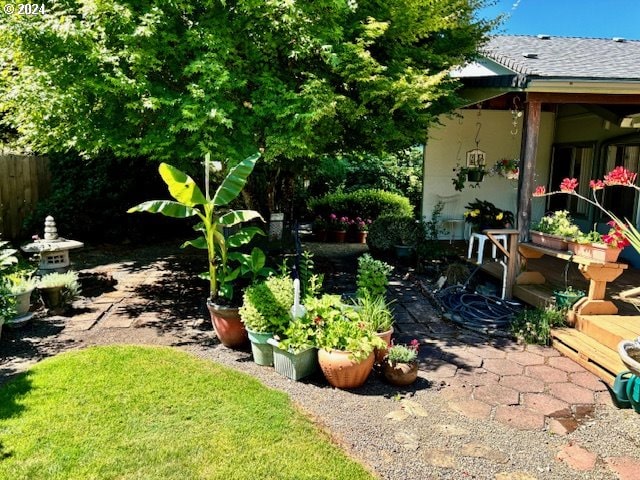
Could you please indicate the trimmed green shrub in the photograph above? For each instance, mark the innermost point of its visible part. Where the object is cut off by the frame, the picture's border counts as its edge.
(266, 306)
(390, 230)
(363, 203)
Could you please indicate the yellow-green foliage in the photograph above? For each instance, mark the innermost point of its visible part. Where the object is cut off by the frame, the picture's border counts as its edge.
(266, 305)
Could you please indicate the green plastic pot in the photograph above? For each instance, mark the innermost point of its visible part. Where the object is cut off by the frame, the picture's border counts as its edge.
(260, 348)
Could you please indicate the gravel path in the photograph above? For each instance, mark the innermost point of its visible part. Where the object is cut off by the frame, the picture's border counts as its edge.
(398, 434)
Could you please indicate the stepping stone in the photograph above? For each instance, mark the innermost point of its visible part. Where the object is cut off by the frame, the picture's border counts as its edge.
(477, 450)
(440, 458)
(577, 458)
(408, 440)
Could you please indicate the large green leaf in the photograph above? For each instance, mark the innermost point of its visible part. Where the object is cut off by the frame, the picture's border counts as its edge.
(238, 216)
(235, 181)
(244, 236)
(199, 242)
(181, 186)
(168, 208)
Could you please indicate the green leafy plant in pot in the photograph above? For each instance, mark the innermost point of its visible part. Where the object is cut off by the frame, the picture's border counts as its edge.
(346, 343)
(20, 286)
(265, 312)
(58, 290)
(214, 218)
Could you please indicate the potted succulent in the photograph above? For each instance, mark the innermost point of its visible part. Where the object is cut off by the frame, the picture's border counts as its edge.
(376, 312)
(191, 202)
(345, 342)
(401, 366)
(265, 313)
(20, 287)
(553, 230)
(58, 290)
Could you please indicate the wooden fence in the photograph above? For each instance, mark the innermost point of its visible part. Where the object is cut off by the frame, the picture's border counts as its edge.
(23, 181)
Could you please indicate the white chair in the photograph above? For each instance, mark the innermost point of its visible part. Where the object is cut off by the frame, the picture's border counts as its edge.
(451, 217)
(481, 238)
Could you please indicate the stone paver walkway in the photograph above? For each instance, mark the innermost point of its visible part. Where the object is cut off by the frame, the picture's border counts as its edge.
(525, 388)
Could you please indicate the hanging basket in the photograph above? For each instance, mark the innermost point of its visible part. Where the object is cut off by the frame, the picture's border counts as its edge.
(475, 175)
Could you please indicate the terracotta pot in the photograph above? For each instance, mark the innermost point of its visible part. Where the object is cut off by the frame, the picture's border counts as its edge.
(340, 236)
(597, 251)
(362, 237)
(547, 240)
(380, 353)
(400, 374)
(228, 325)
(343, 372)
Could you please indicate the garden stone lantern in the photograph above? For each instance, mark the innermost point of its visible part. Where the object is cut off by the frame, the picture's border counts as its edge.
(53, 250)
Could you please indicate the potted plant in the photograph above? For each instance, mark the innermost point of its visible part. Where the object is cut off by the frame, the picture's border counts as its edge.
(604, 248)
(372, 277)
(404, 233)
(482, 214)
(345, 342)
(20, 287)
(265, 313)
(567, 297)
(191, 202)
(473, 175)
(401, 366)
(58, 290)
(339, 227)
(553, 230)
(507, 168)
(362, 229)
(295, 355)
(376, 312)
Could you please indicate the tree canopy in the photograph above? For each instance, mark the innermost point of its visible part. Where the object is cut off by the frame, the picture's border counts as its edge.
(171, 79)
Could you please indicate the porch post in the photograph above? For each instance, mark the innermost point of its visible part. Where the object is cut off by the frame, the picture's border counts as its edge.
(527, 166)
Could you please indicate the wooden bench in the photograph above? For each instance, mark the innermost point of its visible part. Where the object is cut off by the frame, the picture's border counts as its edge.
(598, 273)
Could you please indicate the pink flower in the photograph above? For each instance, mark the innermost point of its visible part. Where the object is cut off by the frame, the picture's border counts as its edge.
(333, 217)
(540, 191)
(568, 185)
(414, 344)
(620, 176)
(596, 185)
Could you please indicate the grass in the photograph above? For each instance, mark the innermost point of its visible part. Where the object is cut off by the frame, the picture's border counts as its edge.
(156, 413)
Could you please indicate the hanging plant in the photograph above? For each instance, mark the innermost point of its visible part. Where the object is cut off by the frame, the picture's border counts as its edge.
(507, 167)
(472, 175)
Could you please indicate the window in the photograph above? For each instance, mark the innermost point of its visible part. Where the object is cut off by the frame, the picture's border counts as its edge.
(571, 162)
(621, 200)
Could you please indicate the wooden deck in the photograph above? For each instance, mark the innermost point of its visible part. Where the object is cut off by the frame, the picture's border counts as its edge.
(593, 340)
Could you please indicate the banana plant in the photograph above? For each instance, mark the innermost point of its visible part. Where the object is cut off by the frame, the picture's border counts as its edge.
(214, 218)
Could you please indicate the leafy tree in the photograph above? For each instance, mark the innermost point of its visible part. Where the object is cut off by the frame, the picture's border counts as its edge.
(172, 80)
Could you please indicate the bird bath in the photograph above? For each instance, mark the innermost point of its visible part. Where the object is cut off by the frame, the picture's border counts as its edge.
(629, 351)
(53, 250)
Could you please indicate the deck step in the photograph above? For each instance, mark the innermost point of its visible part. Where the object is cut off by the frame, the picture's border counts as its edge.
(609, 329)
(592, 355)
(539, 296)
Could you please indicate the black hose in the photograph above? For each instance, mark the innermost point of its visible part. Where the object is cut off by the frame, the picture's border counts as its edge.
(478, 312)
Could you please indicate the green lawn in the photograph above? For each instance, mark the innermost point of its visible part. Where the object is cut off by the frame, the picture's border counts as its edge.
(156, 413)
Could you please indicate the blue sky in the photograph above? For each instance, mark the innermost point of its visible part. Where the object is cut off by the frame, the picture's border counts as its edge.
(569, 18)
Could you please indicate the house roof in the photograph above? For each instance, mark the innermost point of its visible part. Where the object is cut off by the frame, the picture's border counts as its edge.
(566, 57)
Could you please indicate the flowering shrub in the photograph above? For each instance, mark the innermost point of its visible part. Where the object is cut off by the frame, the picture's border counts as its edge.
(485, 214)
(621, 229)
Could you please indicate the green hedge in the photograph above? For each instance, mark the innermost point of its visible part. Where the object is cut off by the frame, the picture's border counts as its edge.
(390, 230)
(366, 203)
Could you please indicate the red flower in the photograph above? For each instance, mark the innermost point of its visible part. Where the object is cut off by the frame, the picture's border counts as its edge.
(596, 184)
(540, 191)
(568, 185)
(414, 344)
(620, 176)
